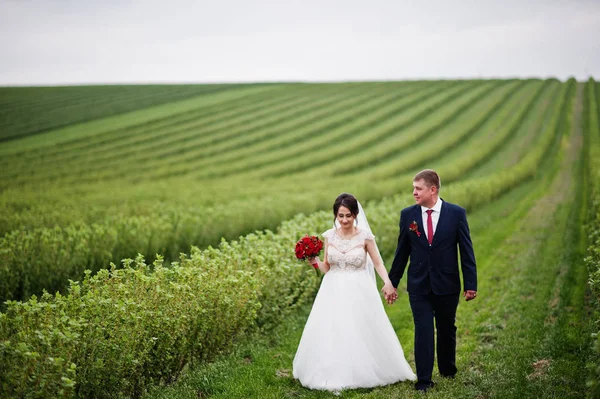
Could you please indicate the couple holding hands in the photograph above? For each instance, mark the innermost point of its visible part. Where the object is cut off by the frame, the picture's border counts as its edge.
(348, 341)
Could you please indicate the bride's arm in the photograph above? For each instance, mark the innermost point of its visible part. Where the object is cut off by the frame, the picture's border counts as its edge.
(323, 266)
(388, 288)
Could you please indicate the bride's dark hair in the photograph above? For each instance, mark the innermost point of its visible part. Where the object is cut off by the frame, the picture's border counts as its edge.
(345, 200)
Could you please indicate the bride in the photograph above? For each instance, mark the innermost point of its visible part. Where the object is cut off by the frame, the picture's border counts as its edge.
(348, 340)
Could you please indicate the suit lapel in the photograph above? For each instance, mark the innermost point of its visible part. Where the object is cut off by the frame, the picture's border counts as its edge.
(418, 218)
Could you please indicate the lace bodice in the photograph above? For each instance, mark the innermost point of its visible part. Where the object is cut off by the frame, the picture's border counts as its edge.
(347, 253)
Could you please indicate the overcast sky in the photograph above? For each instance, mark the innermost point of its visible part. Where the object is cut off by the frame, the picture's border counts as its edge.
(129, 41)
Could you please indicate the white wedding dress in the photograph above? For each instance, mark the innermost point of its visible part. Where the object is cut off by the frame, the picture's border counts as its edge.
(348, 340)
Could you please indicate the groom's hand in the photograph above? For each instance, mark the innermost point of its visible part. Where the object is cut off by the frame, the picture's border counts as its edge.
(469, 294)
(390, 299)
(389, 292)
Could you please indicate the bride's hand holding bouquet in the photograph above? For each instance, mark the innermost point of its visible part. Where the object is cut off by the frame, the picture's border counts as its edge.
(308, 249)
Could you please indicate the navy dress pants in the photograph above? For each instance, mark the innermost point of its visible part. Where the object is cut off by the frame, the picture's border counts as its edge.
(442, 308)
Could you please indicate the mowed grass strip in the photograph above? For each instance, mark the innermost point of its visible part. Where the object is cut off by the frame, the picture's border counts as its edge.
(155, 129)
(82, 131)
(342, 140)
(173, 135)
(533, 344)
(526, 136)
(432, 122)
(568, 325)
(316, 131)
(182, 144)
(28, 118)
(455, 168)
(424, 140)
(134, 154)
(396, 134)
(111, 135)
(260, 136)
(50, 98)
(499, 136)
(497, 116)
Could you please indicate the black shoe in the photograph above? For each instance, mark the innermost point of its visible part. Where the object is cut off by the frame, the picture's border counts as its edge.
(424, 385)
(451, 376)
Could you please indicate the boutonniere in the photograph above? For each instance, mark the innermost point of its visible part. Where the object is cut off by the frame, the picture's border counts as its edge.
(415, 228)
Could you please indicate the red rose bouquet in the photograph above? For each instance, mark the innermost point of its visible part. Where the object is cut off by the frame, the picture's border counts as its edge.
(307, 248)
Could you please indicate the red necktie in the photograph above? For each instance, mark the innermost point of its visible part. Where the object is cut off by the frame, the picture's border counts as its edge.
(429, 226)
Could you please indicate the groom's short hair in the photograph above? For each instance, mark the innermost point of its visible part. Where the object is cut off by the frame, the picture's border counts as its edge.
(430, 177)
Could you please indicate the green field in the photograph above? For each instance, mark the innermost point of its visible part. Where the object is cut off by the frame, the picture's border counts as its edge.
(216, 182)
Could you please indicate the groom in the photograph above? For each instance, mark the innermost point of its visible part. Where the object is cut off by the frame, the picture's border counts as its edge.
(432, 233)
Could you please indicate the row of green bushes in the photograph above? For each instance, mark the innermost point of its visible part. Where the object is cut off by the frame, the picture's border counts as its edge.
(397, 133)
(489, 125)
(121, 330)
(223, 112)
(35, 258)
(311, 145)
(47, 257)
(454, 120)
(592, 125)
(36, 206)
(30, 110)
(142, 149)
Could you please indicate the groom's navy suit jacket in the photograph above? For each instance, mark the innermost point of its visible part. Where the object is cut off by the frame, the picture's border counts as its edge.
(435, 268)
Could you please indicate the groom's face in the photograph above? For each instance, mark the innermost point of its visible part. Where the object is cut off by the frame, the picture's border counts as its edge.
(424, 194)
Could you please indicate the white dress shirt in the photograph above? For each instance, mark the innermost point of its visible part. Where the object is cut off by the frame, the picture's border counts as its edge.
(435, 216)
